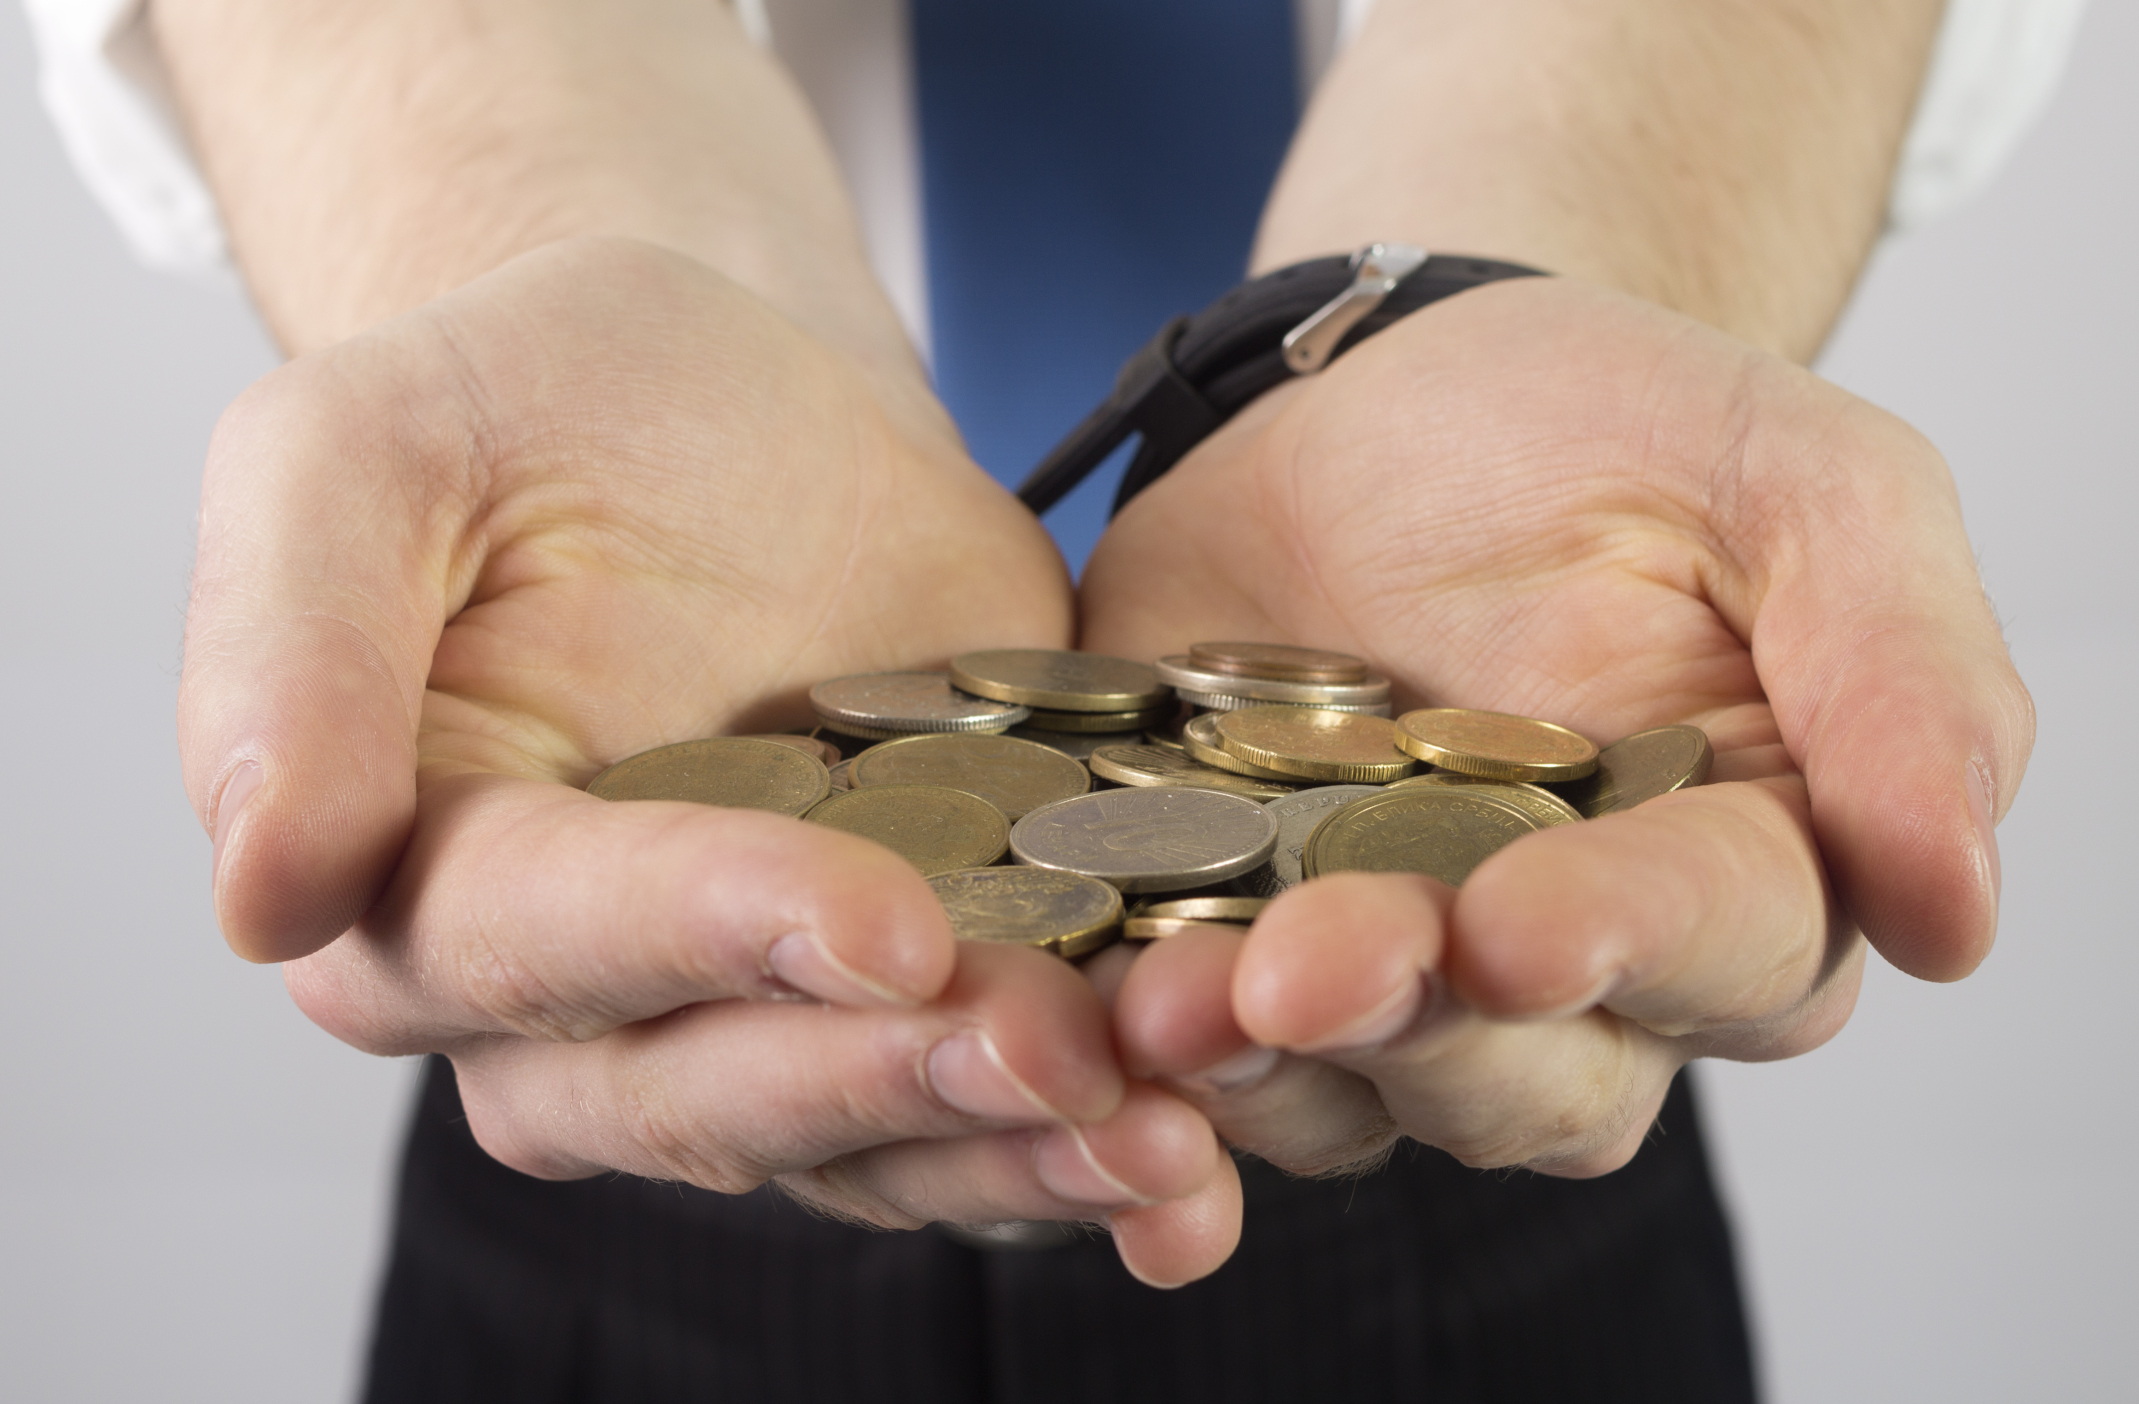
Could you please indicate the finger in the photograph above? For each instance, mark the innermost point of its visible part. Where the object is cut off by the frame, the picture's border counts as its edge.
(333, 497)
(1153, 1173)
(1174, 1020)
(1570, 1096)
(1703, 912)
(727, 1095)
(1883, 660)
(1153, 1148)
(529, 908)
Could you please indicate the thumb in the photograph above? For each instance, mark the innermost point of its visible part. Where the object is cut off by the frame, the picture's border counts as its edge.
(318, 598)
(1889, 677)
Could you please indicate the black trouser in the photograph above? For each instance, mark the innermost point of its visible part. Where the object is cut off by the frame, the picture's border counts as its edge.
(1423, 1281)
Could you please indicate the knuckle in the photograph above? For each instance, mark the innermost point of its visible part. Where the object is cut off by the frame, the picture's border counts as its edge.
(676, 1146)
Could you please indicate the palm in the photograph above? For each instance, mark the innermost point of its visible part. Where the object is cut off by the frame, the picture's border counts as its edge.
(1545, 499)
(691, 513)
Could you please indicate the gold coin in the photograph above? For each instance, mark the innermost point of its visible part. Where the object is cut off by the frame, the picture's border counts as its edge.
(1313, 744)
(1151, 928)
(1443, 831)
(1131, 763)
(1116, 722)
(1495, 745)
(1059, 679)
(1277, 662)
(933, 827)
(1641, 767)
(1233, 909)
(1015, 776)
(1066, 913)
(1199, 738)
(1543, 805)
(737, 772)
(808, 745)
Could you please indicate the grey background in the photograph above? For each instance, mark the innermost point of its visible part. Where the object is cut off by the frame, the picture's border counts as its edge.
(193, 1189)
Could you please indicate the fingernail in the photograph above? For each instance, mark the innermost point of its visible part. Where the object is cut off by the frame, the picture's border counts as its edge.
(1980, 808)
(799, 961)
(1378, 1025)
(1235, 1074)
(238, 790)
(969, 1075)
(1068, 1169)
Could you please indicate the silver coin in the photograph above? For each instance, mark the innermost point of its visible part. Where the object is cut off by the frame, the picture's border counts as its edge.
(1138, 764)
(840, 780)
(1298, 816)
(1233, 702)
(1077, 745)
(1157, 839)
(1176, 672)
(877, 704)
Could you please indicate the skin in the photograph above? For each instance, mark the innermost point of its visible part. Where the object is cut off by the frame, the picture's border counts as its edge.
(1579, 499)
(599, 435)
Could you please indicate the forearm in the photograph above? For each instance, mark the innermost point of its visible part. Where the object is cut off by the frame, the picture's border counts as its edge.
(370, 156)
(1727, 158)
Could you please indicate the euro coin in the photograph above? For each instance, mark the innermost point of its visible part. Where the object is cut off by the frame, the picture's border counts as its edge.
(1015, 776)
(1277, 661)
(1058, 679)
(880, 705)
(1443, 831)
(1199, 738)
(1178, 673)
(808, 745)
(1314, 744)
(1115, 723)
(1240, 910)
(1139, 764)
(1641, 767)
(736, 772)
(1066, 913)
(1156, 839)
(1495, 745)
(933, 827)
(1298, 815)
(1542, 804)
(1158, 928)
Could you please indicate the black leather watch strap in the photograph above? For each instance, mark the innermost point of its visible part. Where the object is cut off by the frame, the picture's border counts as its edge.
(1200, 371)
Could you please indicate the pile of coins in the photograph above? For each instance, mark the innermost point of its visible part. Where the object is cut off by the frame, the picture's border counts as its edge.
(1215, 779)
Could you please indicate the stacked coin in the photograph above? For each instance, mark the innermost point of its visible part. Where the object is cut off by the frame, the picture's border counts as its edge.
(1287, 767)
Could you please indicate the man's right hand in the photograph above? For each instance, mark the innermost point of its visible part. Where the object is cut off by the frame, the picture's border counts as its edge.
(594, 502)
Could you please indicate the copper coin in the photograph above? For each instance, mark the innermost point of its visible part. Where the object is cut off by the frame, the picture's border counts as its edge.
(1278, 662)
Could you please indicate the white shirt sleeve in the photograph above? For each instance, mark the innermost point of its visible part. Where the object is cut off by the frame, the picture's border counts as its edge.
(1996, 66)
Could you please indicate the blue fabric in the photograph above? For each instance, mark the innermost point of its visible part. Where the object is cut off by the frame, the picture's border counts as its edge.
(1090, 168)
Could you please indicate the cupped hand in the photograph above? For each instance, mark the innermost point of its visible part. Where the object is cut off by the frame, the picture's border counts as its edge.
(1545, 498)
(594, 502)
